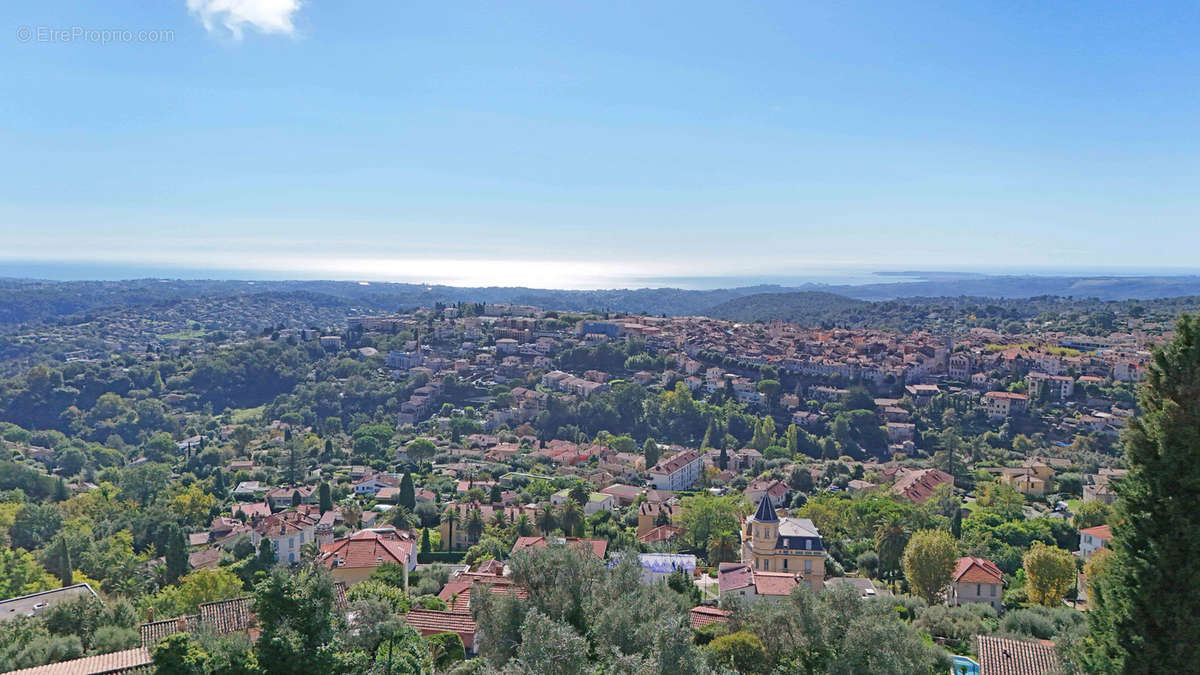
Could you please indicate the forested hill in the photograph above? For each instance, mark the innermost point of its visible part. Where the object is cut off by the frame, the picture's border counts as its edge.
(799, 307)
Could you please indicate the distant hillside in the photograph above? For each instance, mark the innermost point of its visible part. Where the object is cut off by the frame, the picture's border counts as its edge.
(32, 301)
(804, 307)
(1101, 288)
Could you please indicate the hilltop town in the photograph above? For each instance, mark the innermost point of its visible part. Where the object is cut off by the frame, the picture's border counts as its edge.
(429, 464)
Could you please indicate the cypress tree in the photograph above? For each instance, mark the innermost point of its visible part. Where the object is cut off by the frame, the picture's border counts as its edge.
(650, 451)
(324, 497)
(408, 493)
(176, 554)
(1144, 603)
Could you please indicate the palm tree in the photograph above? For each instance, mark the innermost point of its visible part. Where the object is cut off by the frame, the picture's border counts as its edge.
(890, 540)
(546, 521)
(571, 517)
(523, 527)
(579, 493)
(474, 525)
(402, 518)
(723, 548)
(450, 517)
(499, 520)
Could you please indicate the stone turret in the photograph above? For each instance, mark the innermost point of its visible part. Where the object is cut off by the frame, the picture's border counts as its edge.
(764, 527)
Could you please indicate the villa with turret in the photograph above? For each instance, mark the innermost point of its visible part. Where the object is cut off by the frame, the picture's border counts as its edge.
(785, 545)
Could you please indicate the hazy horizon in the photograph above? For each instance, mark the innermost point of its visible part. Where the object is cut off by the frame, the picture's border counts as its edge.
(567, 279)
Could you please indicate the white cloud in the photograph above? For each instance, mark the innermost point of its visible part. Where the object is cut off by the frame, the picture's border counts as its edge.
(268, 16)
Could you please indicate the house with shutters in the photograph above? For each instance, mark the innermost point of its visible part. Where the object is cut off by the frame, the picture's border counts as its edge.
(976, 580)
(791, 546)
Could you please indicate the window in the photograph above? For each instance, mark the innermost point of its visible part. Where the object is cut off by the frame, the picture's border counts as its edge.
(978, 589)
(808, 567)
(993, 587)
(785, 564)
(808, 544)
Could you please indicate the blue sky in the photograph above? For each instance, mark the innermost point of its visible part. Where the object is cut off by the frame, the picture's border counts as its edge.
(577, 144)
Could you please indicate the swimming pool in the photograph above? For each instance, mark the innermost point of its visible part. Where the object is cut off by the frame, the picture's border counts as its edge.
(964, 666)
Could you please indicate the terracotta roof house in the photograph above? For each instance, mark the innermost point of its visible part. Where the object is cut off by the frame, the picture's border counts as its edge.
(976, 580)
(281, 497)
(1092, 539)
(777, 490)
(917, 486)
(649, 513)
(702, 616)
(661, 533)
(253, 510)
(777, 583)
(354, 558)
(1001, 656)
(431, 622)
(597, 546)
(288, 532)
(457, 594)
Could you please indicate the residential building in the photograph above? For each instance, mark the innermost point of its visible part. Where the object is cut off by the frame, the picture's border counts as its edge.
(1001, 404)
(288, 532)
(786, 545)
(1059, 386)
(282, 497)
(917, 485)
(597, 547)
(976, 580)
(354, 558)
(677, 472)
(1092, 539)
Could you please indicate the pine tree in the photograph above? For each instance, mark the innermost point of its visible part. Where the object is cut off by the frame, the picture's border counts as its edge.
(408, 493)
(1144, 604)
(723, 459)
(425, 540)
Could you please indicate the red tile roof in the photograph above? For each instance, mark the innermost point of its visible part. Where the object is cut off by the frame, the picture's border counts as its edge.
(977, 571)
(366, 549)
(702, 616)
(113, 662)
(597, 546)
(431, 622)
(1101, 532)
(732, 576)
(917, 486)
(661, 533)
(1001, 656)
(775, 583)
